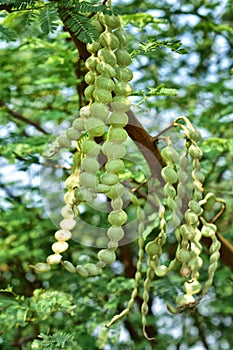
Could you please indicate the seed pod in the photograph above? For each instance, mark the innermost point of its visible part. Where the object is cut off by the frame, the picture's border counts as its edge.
(109, 179)
(114, 165)
(117, 217)
(106, 256)
(104, 83)
(112, 246)
(63, 235)
(109, 21)
(63, 141)
(105, 70)
(92, 269)
(169, 154)
(90, 165)
(91, 148)
(67, 224)
(113, 151)
(67, 212)
(59, 247)
(184, 255)
(120, 104)
(73, 134)
(90, 77)
(123, 57)
(99, 111)
(118, 119)
(193, 287)
(41, 267)
(107, 56)
(109, 40)
(169, 191)
(184, 299)
(122, 88)
(78, 124)
(209, 201)
(117, 204)
(121, 37)
(195, 264)
(169, 175)
(102, 95)
(115, 233)
(117, 135)
(194, 135)
(171, 309)
(54, 259)
(153, 248)
(93, 47)
(195, 152)
(82, 271)
(88, 92)
(72, 181)
(69, 266)
(88, 180)
(195, 207)
(187, 232)
(116, 191)
(85, 112)
(191, 218)
(92, 62)
(95, 127)
(161, 270)
(123, 74)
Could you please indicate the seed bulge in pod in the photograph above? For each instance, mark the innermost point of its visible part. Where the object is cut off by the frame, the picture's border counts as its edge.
(54, 259)
(109, 40)
(169, 191)
(85, 112)
(88, 180)
(117, 135)
(99, 110)
(69, 266)
(105, 70)
(72, 181)
(63, 235)
(67, 212)
(120, 104)
(60, 247)
(116, 191)
(113, 151)
(63, 141)
(88, 92)
(107, 56)
(117, 203)
(161, 270)
(107, 256)
(115, 233)
(122, 88)
(96, 23)
(93, 47)
(104, 83)
(67, 224)
(195, 207)
(91, 148)
(184, 299)
(109, 21)
(90, 77)
(73, 134)
(90, 165)
(114, 165)
(153, 248)
(169, 175)
(184, 255)
(195, 152)
(123, 57)
(41, 267)
(118, 119)
(123, 74)
(117, 217)
(191, 218)
(102, 95)
(92, 269)
(121, 37)
(193, 287)
(109, 179)
(78, 124)
(92, 62)
(95, 127)
(82, 271)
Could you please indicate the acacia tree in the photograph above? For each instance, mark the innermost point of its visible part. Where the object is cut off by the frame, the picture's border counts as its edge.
(146, 187)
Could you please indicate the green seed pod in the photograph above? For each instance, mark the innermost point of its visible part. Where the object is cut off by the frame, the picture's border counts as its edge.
(67, 224)
(88, 92)
(195, 152)
(104, 83)
(109, 179)
(84, 112)
(153, 248)
(169, 154)
(63, 141)
(41, 267)
(95, 127)
(208, 230)
(112, 246)
(171, 309)
(88, 180)
(123, 74)
(69, 266)
(82, 271)
(73, 134)
(99, 111)
(187, 232)
(67, 212)
(118, 119)
(59, 247)
(93, 47)
(109, 40)
(72, 181)
(102, 95)
(209, 201)
(122, 88)
(92, 269)
(169, 191)
(90, 165)
(113, 151)
(101, 188)
(121, 37)
(78, 124)
(91, 148)
(116, 191)
(117, 203)
(115, 233)
(192, 288)
(105, 70)
(63, 235)
(194, 135)
(196, 174)
(107, 56)
(161, 270)
(184, 299)
(195, 207)
(92, 62)
(196, 263)
(106, 256)
(123, 57)
(184, 255)
(191, 218)
(120, 104)
(169, 175)
(90, 77)
(86, 195)
(109, 21)
(114, 165)
(117, 135)
(54, 259)
(117, 217)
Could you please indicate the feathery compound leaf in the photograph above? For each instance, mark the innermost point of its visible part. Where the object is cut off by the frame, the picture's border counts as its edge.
(19, 4)
(79, 25)
(48, 16)
(7, 34)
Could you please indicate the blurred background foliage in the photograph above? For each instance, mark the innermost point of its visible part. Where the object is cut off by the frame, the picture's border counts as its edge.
(183, 46)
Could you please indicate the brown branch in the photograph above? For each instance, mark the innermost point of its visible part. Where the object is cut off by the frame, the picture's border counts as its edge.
(19, 116)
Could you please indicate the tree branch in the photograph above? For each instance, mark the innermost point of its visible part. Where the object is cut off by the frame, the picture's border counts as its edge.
(19, 116)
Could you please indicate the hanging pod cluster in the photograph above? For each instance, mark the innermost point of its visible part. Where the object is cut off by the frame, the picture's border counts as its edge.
(105, 117)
